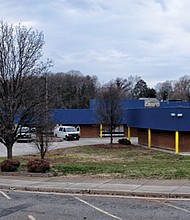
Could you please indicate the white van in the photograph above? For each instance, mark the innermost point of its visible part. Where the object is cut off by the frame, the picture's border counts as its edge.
(67, 132)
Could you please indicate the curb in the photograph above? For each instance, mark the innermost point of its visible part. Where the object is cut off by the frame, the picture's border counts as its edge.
(95, 192)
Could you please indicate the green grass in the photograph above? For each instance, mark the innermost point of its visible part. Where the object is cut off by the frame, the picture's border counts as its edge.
(129, 162)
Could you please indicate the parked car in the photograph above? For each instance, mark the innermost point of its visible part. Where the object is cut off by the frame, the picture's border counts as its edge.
(67, 132)
(24, 135)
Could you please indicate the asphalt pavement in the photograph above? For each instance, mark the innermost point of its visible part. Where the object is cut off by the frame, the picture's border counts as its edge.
(91, 185)
(30, 148)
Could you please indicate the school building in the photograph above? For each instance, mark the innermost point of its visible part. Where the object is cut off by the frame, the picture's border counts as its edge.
(166, 125)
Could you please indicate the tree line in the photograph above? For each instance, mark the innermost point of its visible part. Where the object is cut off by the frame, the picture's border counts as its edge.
(73, 90)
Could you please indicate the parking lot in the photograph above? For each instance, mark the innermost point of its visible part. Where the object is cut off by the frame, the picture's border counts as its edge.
(29, 148)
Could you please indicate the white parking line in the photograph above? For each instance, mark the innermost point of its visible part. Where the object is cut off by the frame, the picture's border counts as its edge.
(174, 206)
(31, 217)
(5, 195)
(98, 209)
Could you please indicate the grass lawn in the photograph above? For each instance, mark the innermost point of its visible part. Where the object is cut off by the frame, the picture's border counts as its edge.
(116, 161)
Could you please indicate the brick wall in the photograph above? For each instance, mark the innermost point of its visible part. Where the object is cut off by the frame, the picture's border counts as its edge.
(184, 141)
(93, 131)
(133, 131)
(143, 136)
(89, 130)
(165, 139)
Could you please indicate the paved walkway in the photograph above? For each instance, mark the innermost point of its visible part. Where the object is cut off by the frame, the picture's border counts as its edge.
(88, 185)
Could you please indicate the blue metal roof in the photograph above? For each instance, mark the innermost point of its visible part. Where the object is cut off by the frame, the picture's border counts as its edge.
(127, 103)
(171, 117)
(73, 116)
(174, 104)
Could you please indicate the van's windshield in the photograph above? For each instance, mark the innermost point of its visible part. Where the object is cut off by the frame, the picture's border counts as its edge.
(70, 129)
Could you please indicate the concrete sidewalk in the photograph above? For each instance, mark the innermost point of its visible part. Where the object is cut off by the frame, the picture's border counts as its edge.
(90, 185)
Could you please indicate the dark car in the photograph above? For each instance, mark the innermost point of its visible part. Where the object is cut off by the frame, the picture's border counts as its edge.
(24, 135)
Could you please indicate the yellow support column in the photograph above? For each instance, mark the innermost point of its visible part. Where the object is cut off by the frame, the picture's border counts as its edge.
(129, 133)
(149, 138)
(176, 142)
(100, 130)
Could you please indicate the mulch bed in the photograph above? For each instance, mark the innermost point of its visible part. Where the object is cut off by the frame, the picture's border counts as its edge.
(112, 146)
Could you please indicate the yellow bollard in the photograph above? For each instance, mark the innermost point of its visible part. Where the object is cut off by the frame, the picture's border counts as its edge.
(129, 133)
(149, 138)
(100, 130)
(176, 142)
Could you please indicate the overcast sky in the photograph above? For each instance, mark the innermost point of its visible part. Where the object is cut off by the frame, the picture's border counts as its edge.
(110, 38)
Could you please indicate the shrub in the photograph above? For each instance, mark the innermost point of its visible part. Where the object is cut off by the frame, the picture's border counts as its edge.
(9, 165)
(124, 141)
(38, 166)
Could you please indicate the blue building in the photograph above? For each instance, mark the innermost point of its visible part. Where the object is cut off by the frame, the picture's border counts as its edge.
(166, 126)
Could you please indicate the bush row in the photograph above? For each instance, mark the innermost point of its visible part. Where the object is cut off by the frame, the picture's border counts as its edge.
(33, 166)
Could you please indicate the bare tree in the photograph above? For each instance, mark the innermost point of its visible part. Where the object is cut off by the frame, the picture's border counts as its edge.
(182, 88)
(43, 123)
(109, 107)
(124, 85)
(43, 130)
(165, 90)
(133, 81)
(20, 53)
(71, 90)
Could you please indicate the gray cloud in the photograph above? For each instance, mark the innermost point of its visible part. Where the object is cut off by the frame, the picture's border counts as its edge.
(149, 38)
